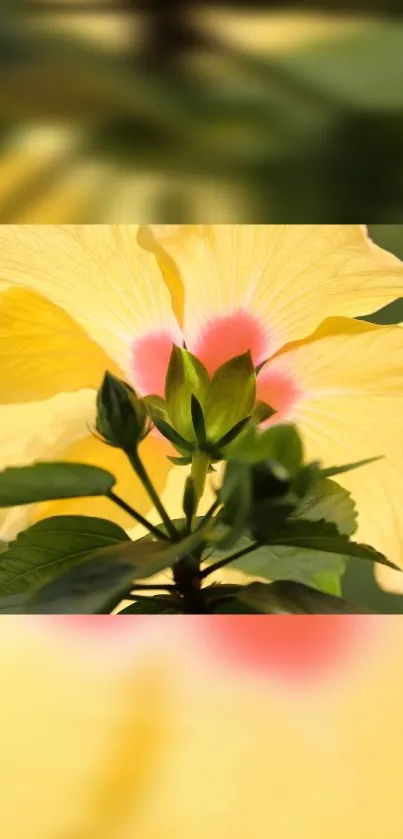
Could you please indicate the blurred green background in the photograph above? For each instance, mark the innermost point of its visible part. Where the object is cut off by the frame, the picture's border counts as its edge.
(174, 110)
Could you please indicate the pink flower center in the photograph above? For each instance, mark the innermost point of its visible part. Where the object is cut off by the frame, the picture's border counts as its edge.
(279, 389)
(149, 362)
(223, 338)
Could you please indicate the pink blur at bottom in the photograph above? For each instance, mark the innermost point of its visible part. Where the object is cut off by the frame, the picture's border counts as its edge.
(295, 648)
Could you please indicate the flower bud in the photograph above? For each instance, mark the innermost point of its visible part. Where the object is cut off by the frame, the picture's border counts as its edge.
(122, 417)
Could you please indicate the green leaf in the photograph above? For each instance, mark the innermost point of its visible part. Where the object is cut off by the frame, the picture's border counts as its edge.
(122, 418)
(236, 496)
(359, 583)
(270, 514)
(321, 570)
(324, 537)
(158, 604)
(279, 444)
(186, 376)
(99, 584)
(231, 396)
(46, 481)
(330, 582)
(221, 599)
(304, 479)
(14, 604)
(282, 444)
(290, 598)
(327, 500)
(338, 470)
(52, 546)
(96, 586)
(232, 606)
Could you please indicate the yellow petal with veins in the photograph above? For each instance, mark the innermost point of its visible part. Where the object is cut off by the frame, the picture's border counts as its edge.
(98, 274)
(290, 277)
(351, 408)
(43, 351)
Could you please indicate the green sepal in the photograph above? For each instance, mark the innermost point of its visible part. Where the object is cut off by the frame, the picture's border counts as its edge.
(180, 461)
(186, 376)
(263, 412)
(231, 396)
(199, 426)
(170, 433)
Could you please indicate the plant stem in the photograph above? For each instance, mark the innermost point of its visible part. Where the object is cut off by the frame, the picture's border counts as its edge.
(142, 473)
(210, 512)
(222, 562)
(137, 516)
(200, 466)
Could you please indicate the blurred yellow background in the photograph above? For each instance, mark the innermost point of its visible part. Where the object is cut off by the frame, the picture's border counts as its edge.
(118, 729)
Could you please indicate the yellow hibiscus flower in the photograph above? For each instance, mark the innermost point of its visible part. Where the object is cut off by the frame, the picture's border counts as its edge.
(77, 300)
(152, 735)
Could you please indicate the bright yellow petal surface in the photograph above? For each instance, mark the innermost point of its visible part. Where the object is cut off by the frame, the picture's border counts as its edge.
(40, 431)
(43, 351)
(93, 451)
(97, 274)
(351, 408)
(81, 741)
(177, 748)
(289, 276)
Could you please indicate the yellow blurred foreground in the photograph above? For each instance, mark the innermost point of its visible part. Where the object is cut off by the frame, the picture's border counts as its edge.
(118, 728)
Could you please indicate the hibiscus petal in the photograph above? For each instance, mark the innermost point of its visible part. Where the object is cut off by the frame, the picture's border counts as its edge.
(40, 431)
(350, 407)
(98, 274)
(284, 278)
(43, 351)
